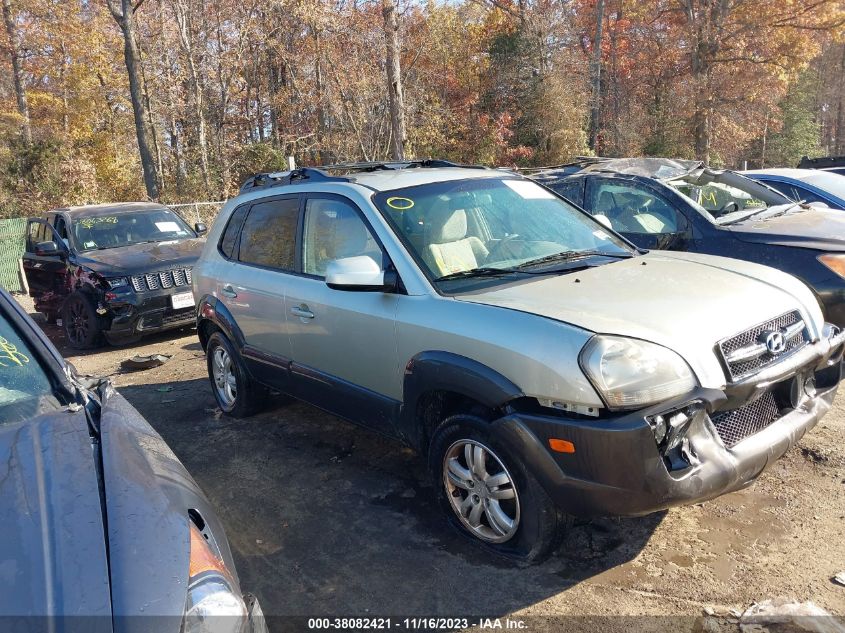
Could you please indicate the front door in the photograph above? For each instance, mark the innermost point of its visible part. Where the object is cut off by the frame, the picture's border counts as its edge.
(45, 264)
(343, 342)
(644, 217)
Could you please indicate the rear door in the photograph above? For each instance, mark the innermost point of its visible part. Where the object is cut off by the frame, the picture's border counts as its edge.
(639, 213)
(343, 342)
(260, 246)
(45, 263)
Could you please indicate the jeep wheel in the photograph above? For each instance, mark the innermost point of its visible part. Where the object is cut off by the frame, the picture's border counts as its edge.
(489, 494)
(80, 322)
(236, 393)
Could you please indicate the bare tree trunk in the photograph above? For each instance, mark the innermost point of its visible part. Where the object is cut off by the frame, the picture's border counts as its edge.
(322, 127)
(840, 109)
(123, 13)
(595, 71)
(63, 78)
(17, 71)
(394, 81)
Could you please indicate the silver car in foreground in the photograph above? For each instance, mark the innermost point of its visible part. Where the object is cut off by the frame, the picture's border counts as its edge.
(545, 366)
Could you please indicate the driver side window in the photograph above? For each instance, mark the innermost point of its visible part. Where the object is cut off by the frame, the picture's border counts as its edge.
(632, 209)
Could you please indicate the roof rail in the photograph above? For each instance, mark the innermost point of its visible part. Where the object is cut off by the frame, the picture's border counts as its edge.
(821, 163)
(281, 178)
(397, 164)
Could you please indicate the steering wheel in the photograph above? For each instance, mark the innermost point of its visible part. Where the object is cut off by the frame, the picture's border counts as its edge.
(729, 207)
(500, 245)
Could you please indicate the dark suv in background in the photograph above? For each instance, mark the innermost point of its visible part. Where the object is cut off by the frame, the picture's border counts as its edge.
(116, 271)
(683, 205)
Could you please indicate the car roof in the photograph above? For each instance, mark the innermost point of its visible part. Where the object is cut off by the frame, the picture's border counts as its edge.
(108, 208)
(647, 167)
(786, 172)
(389, 179)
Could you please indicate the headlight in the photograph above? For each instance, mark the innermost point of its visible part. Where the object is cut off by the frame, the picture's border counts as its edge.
(836, 263)
(630, 373)
(117, 282)
(212, 605)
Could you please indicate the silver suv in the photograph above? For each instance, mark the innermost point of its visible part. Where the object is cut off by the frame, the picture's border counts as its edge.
(545, 366)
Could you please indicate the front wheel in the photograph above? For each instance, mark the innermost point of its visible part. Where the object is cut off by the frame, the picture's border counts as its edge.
(80, 322)
(489, 494)
(236, 393)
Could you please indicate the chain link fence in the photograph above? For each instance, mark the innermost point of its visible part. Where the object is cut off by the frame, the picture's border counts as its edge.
(204, 212)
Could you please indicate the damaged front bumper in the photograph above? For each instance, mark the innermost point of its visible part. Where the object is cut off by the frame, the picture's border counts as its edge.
(133, 314)
(696, 447)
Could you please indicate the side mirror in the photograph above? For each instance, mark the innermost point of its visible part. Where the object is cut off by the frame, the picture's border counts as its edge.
(360, 274)
(47, 249)
(200, 228)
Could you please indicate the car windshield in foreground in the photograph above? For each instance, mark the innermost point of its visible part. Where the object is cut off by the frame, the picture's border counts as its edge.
(98, 232)
(493, 227)
(25, 388)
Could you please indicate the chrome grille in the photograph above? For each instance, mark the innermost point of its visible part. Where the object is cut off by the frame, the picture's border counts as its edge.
(735, 425)
(741, 368)
(163, 279)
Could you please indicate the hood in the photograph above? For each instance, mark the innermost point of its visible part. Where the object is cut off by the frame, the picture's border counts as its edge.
(816, 227)
(52, 547)
(143, 258)
(683, 301)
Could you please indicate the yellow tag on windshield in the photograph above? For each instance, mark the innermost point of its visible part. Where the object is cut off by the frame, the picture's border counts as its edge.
(9, 354)
(400, 204)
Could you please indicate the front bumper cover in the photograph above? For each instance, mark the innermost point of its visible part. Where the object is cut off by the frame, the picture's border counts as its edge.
(618, 469)
(142, 313)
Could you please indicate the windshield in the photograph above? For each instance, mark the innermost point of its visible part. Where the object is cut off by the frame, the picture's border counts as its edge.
(493, 225)
(123, 229)
(728, 195)
(25, 388)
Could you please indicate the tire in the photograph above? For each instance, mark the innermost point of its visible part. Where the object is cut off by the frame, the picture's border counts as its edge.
(80, 322)
(536, 524)
(236, 393)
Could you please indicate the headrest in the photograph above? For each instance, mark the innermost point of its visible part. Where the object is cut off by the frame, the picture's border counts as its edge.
(447, 222)
(605, 202)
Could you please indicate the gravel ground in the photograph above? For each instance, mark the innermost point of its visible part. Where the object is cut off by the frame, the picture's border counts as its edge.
(327, 519)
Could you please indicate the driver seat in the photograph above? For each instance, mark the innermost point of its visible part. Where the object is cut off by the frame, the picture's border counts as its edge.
(450, 249)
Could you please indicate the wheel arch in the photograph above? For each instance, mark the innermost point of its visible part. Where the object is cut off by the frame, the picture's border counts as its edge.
(212, 316)
(438, 384)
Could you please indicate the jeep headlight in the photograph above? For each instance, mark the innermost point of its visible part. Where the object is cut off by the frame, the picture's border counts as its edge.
(629, 373)
(212, 605)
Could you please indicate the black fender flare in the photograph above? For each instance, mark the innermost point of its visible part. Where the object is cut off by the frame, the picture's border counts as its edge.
(445, 371)
(209, 309)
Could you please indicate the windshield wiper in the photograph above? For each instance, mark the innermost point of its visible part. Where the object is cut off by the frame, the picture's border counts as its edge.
(568, 256)
(763, 210)
(478, 272)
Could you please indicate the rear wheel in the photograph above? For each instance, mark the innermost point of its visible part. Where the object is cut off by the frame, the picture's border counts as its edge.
(80, 322)
(236, 393)
(489, 494)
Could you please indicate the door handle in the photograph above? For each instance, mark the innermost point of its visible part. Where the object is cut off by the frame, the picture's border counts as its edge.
(228, 291)
(303, 312)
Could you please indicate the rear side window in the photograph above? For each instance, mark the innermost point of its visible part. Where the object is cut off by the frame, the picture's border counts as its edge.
(268, 237)
(794, 192)
(230, 234)
(572, 190)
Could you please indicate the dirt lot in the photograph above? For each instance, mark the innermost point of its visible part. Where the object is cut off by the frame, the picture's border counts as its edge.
(328, 519)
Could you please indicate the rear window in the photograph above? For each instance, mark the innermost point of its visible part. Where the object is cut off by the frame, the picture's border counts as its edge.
(25, 388)
(230, 235)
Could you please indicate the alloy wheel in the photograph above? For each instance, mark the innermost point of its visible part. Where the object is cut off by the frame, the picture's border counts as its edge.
(481, 491)
(79, 323)
(225, 381)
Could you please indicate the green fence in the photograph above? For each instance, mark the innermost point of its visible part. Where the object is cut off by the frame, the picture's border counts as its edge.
(11, 249)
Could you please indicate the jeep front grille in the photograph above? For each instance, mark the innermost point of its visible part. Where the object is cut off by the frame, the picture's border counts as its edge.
(735, 425)
(747, 353)
(164, 279)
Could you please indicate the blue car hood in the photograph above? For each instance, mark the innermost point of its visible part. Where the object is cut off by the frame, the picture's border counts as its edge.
(52, 545)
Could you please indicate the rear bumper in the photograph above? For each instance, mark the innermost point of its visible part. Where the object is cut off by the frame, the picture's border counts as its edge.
(142, 313)
(619, 469)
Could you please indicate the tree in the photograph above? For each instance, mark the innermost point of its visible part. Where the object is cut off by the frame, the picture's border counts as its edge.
(17, 71)
(123, 12)
(394, 80)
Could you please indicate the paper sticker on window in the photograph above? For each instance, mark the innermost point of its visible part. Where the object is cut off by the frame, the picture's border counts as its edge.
(601, 235)
(89, 245)
(400, 204)
(529, 190)
(168, 227)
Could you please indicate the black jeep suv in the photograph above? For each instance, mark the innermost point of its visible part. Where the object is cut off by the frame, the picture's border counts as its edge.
(116, 270)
